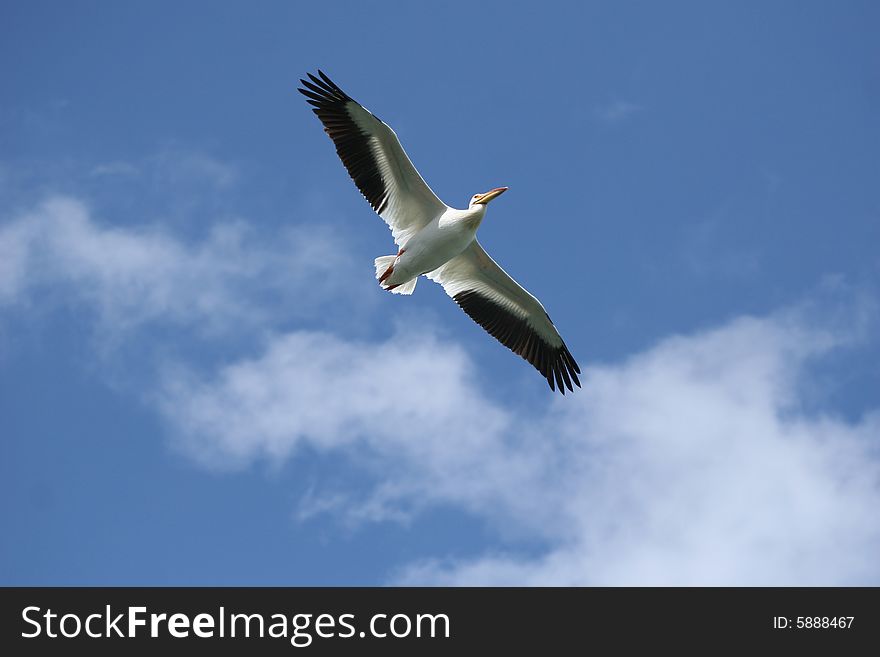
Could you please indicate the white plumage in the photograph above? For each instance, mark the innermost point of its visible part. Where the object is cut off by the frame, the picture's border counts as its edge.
(434, 239)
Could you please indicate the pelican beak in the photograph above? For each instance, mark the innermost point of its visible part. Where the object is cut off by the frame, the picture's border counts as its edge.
(492, 193)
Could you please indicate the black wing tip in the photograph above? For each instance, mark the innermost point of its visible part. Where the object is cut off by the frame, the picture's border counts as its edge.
(324, 77)
(333, 108)
(562, 377)
(555, 364)
(324, 86)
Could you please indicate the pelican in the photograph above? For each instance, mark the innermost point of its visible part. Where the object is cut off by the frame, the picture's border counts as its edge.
(435, 240)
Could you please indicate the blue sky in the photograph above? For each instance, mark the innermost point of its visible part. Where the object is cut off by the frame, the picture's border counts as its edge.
(192, 344)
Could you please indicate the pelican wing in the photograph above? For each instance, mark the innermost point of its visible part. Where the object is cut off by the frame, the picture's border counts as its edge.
(374, 158)
(509, 313)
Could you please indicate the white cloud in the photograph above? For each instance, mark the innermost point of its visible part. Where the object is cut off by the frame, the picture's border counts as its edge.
(317, 390)
(700, 461)
(130, 275)
(696, 462)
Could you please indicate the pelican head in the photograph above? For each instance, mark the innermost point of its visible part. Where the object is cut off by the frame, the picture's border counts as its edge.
(483, 199)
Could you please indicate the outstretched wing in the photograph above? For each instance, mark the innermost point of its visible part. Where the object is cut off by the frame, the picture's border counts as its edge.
(374, 158)
(509, 313)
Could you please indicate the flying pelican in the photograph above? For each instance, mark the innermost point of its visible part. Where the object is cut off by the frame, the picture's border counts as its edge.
(434, 239)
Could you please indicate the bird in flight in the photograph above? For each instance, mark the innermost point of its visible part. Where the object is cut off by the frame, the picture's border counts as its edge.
(434, 239)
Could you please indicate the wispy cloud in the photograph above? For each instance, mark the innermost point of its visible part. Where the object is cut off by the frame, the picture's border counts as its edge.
(186, 166)
(115, 168)
(175, 180)
(615, 111)
(174, 165)
(131, 275)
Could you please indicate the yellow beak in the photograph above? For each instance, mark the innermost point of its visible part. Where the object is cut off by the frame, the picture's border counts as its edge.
(492, 193)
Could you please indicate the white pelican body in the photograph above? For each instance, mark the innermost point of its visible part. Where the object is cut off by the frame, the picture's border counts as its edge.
(434, 239)
(433, 246)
